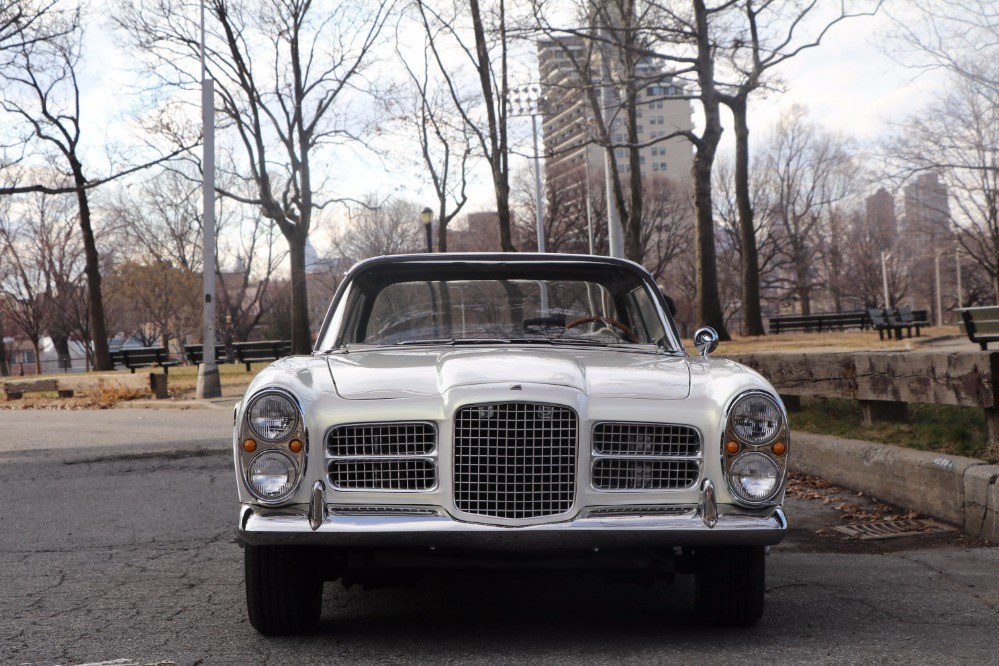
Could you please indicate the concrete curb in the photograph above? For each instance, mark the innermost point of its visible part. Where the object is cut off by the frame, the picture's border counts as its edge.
(958, 490)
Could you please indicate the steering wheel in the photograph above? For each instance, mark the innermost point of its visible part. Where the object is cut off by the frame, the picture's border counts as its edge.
(628, 333)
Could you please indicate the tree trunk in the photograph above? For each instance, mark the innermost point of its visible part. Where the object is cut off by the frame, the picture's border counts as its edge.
(38, 357)
(751, 310)
(709, 302)
(92, 269)
(301, 341)
(4, 366)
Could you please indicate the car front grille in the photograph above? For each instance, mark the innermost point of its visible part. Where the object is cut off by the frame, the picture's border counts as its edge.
(383, 456)
(645, 456)
(661, 439)
(515, 460)
(382, 439)
(637, 474)
(413, 474)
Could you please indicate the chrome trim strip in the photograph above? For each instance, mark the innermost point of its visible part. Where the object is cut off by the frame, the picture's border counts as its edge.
(290, 525)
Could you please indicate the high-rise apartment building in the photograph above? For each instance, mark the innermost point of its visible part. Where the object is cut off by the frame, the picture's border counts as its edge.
(568, 121)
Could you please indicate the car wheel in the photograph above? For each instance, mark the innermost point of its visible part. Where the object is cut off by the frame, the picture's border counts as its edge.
(283, 593)
(730, 583)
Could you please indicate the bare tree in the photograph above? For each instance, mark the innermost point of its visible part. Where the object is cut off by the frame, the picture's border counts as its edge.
(39, 260)
(805, 167)
(41, 90)
(284, 72)
(770, 32)
(424, 108)
(956, 135)
(487, 50)
(378, 228)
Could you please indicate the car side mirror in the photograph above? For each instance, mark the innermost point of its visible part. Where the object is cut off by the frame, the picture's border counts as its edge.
(706, 340)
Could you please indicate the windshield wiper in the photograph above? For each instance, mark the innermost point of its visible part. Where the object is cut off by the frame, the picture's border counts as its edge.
(427, 341)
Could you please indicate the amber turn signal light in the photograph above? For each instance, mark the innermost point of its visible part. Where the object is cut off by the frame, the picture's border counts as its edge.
(778, 448)
(249, 446)
(732, 447)
(295, 446)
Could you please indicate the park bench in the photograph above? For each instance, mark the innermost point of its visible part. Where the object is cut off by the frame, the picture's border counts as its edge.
(880, 323)
(260, 351)
(65, 385)
(819, 322)
(143, 357)
(195, 353)
(909, 318)
(981, 324)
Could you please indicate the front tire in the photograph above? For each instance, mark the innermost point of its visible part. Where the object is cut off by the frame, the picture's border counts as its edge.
(284, 595)
(730, 584)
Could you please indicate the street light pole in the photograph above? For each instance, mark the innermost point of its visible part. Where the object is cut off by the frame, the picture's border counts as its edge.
(524, 101)
(960, 295)
(885, 255)
(208, 372)
(427, 217)
(936, 261)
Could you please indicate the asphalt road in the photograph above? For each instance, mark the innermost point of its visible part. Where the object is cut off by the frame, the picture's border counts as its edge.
(123, 548)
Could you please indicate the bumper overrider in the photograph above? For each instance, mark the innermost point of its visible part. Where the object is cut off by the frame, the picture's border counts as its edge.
(705, 524)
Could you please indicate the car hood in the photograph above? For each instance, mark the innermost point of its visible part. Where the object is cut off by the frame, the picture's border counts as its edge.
(366, 375)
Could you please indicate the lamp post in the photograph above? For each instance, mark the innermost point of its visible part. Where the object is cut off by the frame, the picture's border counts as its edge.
(208, 372)
(936, 262)
(524, 101)
(427, 218)
(960, 295)
(885, 255)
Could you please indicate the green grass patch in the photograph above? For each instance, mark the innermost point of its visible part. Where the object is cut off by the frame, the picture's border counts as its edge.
(959, 431)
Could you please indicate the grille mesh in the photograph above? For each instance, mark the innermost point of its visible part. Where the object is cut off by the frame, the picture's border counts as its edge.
(382, 439)
(646, 439)
(400, 474)
(643, 474)
(515, 460)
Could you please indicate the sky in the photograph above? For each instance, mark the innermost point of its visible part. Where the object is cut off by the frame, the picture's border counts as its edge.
(849, 85)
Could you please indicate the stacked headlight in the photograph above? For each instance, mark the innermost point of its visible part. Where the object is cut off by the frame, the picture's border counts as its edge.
(270, 446)
(272, 417)
(272, 475)
(756, 419)
(755, 448)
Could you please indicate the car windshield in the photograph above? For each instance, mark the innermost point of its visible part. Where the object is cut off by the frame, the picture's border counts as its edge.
(582, 307)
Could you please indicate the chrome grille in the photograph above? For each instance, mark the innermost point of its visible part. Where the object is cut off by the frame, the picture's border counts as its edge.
(385, 474)
(515, 460)
(643, 474)
(382, 439)
(646, 439)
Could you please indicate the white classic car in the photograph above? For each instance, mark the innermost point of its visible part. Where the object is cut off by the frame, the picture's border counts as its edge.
(537, 406)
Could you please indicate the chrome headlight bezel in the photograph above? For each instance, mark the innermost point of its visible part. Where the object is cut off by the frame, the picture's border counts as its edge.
(246, 456)
(764, 446)
(292, 428)
(736, 488)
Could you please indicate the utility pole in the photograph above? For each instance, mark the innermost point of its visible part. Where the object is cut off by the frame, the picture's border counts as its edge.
(208, 372)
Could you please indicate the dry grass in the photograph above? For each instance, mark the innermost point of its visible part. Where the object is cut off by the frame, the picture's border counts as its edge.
(824, 342)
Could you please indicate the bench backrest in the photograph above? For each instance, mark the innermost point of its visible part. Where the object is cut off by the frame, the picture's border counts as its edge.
(984, 320)
(877, 317)
(261, 350)
(195, 354)
(140, 356)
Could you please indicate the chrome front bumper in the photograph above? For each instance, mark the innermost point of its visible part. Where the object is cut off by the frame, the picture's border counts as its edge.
(291, 525)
